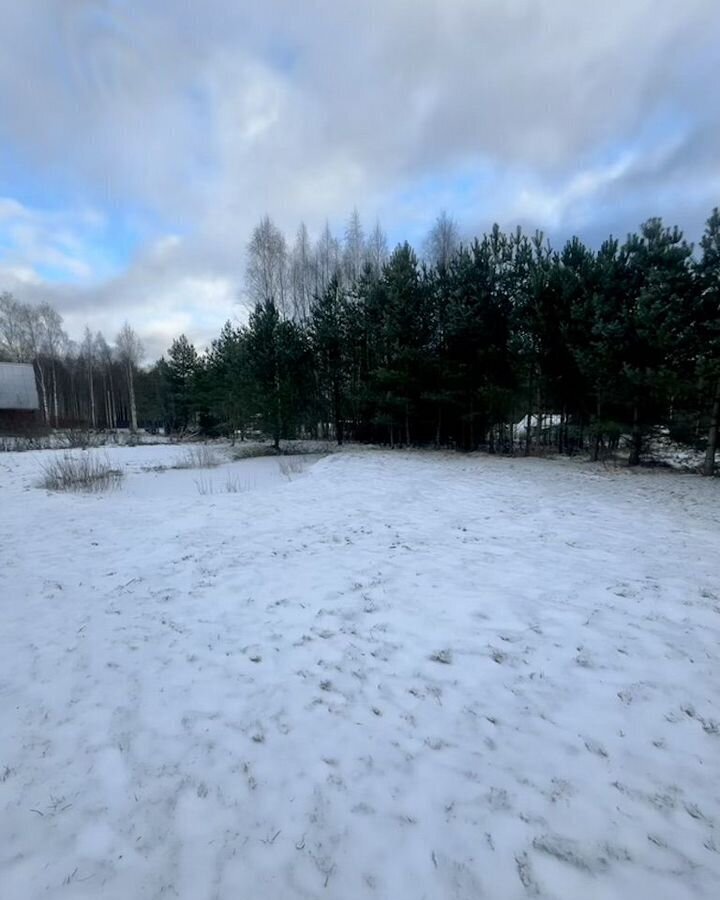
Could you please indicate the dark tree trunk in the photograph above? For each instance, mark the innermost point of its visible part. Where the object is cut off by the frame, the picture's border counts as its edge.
(596, 442)
(636, 445)
(711, 449)
(337, 411)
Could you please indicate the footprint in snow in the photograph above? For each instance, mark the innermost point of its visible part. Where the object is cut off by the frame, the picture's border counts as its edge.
(596, 748)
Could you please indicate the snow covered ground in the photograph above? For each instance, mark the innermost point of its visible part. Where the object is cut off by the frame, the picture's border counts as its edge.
(390, 675)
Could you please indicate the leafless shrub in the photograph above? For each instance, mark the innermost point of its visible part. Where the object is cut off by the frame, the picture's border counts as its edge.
(20, 443)
(92, 474)
(199, 457)
(234, 485)
(290, 467)
(253, 451)
(204, 485)
(79, 438)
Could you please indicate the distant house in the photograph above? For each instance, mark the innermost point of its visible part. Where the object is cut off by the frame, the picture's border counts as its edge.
(18, 396)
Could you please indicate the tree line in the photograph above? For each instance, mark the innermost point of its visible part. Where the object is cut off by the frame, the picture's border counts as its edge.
(453, 347)
(89, 384)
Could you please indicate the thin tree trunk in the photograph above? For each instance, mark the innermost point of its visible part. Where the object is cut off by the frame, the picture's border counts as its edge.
(634, 459)
(698, 416)
(278, 398)
(339, 431)
(528, 431)
(528, 421)
(55, 394)
(539, 425)
(711, 449)
(596, 442)
(93, 418)
(113, 402)
(43, 392)
(133, 408)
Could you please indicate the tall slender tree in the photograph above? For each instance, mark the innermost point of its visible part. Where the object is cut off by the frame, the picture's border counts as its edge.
(130, 352)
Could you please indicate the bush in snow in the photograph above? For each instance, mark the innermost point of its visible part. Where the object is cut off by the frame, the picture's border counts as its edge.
(233, 485)
(80, 473)
(199, 457)
(290, 467)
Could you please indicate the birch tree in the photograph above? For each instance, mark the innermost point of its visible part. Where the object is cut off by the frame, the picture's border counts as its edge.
(376, 250)
(130, 352)
(354, 248)
(442, 241)
(327, 254)
(267, 269)
(302, 274)
(54, 341)
(88, 351)
(11, 328)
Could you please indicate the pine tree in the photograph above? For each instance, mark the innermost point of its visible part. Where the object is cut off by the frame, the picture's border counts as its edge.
(657, 317)
(183, 368)
(264, 353)
(328, 327)
(707, 272)
(230, 381)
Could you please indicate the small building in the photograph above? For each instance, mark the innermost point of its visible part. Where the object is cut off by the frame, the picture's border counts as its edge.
(19, 403)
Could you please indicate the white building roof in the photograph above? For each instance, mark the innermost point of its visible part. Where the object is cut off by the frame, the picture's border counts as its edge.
(17, 387)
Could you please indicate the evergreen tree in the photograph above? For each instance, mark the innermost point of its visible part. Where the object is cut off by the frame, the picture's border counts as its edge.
(657, 318)
(328, 329)
(182, 372)
(403, 335)
(280, 366)
(707, 272)
(230, 381)
(264, 353)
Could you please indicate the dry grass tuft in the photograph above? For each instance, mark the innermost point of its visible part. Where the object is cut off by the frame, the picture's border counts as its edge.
(89, 473)
(199, 457)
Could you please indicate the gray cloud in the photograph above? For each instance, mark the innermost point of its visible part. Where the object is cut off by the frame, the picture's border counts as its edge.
(200, 118)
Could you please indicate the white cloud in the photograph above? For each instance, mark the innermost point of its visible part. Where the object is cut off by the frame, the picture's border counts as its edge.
(554, 206)
(201, 118)
(37, 239)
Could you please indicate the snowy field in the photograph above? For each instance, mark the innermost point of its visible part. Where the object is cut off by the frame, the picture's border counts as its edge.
(385, 675)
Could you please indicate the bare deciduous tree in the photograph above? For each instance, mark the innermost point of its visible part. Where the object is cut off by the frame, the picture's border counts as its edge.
(442, 241)
(302, 274)
(130, 351)
(33, 344)
(376, 250)
(105, 357)
(88, 350)
(267, 274)
(11, 328)
(327, 254)
(354, 249)
(54, 342)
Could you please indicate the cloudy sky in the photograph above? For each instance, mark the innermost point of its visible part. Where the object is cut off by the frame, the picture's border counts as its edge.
(141, 140)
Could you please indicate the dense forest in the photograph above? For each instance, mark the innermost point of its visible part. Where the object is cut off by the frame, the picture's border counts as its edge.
(452, 347)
